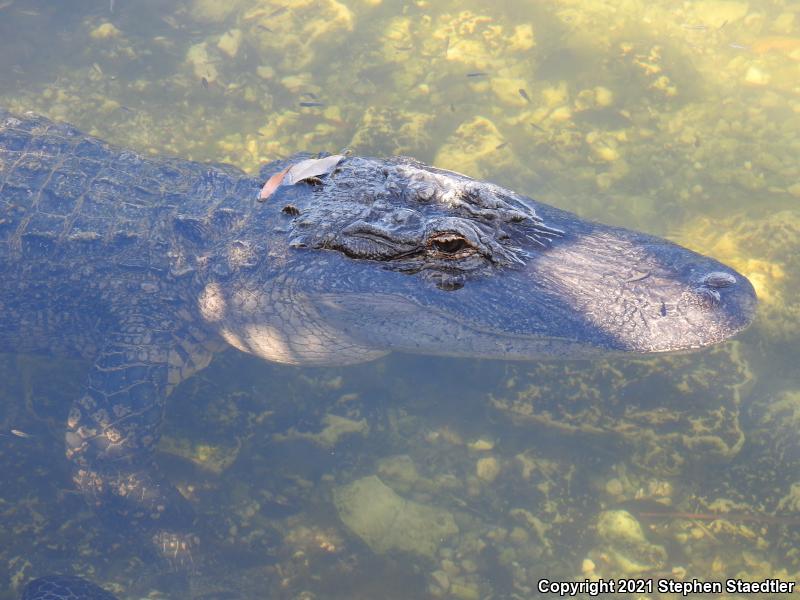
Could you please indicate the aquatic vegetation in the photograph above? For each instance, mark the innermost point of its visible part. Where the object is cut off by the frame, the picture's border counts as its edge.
(213, 458)
(333, 428)
(696, 417)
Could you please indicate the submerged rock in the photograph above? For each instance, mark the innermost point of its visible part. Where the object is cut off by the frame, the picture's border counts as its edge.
(386, 521)
(475, 148)
(624, 543)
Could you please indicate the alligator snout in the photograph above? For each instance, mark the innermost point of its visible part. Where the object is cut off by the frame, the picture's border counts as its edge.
(706, 288)
(738, 292)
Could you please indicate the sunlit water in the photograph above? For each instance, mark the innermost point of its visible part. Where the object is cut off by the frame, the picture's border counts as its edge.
(678, 119)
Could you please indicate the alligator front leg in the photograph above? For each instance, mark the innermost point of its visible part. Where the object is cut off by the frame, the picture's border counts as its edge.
(114, 426)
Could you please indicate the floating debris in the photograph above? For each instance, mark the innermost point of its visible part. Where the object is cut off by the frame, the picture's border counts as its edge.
(524, 95)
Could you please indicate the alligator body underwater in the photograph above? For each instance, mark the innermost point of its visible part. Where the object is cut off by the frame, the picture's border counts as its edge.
(149, 266)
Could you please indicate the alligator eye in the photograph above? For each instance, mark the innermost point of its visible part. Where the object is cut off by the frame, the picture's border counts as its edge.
(448, 243)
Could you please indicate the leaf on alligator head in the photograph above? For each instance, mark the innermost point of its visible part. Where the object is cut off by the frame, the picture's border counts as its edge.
(311, 167)
(300, 171)
(272, 185)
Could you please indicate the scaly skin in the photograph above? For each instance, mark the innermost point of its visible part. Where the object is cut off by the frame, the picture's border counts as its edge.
(87, 250)
(64, 587)
(147, 267)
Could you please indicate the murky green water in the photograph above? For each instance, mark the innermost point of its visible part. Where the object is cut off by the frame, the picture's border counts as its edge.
(679, 119)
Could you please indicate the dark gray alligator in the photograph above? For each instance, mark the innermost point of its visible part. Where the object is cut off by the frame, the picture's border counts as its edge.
(147, 267)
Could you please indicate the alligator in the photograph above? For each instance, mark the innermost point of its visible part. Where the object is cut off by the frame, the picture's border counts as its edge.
(147, 267)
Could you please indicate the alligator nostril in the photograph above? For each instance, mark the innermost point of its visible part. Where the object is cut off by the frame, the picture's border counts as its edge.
(718, 279)
(707, 298)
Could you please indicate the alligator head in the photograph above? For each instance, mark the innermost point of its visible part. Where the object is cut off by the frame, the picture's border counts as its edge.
(391, 255)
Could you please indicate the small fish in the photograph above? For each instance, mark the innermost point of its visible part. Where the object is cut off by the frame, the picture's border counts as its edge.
(725, 22)
(478, 74)
(738, 46)
(171, 21)
(524, 95)
(204, 82)
(535, 126)
(277, 12)
(692, 27)
(21, 434)
(404, 48)
(264, 28)
(501, 146)
(313, 104)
